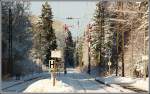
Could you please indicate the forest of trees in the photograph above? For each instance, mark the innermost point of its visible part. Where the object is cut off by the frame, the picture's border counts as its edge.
(115, 23)
(16, 38)
(119, 33)
(28, 40)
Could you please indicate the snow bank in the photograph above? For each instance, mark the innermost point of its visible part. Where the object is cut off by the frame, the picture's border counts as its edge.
(139, 83)
(46, 86)
(116, 80)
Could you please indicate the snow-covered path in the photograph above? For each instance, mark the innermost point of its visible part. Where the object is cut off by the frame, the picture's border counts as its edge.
(72, 82)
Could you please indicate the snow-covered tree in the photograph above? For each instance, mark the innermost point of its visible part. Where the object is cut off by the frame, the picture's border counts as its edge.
(98, 33)
(102, 33)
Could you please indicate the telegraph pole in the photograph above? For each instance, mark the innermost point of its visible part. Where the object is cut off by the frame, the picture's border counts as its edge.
(89, 58)
(78, 25)
(10, 42)
(65, 65)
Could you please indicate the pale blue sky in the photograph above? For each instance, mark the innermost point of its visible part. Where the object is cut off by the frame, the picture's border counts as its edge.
(62, 9)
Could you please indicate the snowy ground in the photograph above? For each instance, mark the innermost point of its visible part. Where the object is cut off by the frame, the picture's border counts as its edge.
(72, 82)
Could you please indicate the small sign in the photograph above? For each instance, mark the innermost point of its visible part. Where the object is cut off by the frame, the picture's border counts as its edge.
(144, 57)
(56, 54)
(109, 63)
(51, 63)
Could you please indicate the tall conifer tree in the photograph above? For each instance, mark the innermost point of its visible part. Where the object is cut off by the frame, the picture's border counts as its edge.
(48, 31)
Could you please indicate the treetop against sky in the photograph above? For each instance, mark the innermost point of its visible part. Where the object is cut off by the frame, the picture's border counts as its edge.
(63, 9)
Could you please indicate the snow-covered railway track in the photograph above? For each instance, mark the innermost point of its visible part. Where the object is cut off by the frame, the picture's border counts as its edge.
(106, 88)
(101, 86)
(135, 89)
(89, 85)
(19, 87)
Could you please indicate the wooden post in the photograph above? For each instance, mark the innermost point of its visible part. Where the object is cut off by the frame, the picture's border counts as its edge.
(54, 76)
(52, 71)
(109, 69)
